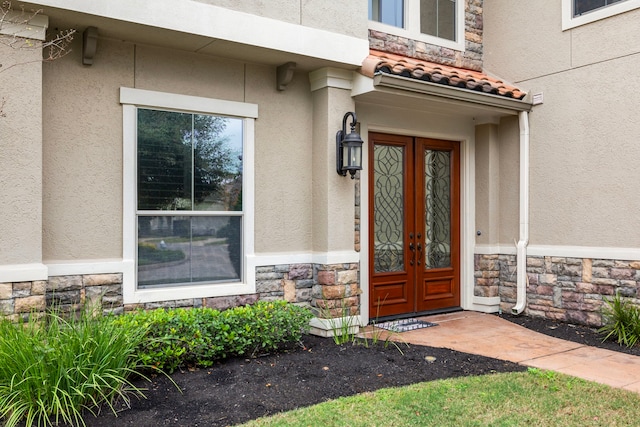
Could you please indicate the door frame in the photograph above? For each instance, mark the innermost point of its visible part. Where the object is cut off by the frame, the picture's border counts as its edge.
(417, 289)
(467, 216)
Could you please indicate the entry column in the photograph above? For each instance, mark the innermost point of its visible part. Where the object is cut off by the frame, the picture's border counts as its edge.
(336, 263)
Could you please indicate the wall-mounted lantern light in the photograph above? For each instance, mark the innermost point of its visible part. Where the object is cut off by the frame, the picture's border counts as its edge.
(348, 148)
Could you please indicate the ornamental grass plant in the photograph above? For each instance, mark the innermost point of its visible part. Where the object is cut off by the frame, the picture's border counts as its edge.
(52, 368)
(621, 321)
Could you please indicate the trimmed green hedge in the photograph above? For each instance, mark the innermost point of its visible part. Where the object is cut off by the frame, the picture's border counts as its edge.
(199, 336)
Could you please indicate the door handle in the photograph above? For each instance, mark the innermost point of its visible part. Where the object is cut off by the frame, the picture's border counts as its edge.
(413, 253)
(419, 253)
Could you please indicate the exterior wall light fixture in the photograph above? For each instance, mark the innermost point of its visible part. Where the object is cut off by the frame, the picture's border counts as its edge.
(348, 148)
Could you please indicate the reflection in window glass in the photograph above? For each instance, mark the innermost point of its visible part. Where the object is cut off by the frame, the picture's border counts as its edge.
(583, 6)
(390, 12)
(186, 249)
(190, 164)
(189, 161)
(438, 18)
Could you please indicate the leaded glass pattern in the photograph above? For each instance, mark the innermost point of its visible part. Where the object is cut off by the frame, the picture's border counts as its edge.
(437, 205)
(388, 208)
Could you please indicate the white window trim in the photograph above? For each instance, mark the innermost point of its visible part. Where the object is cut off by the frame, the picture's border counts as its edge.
(131, 100)
(412, 24)
(568, 21)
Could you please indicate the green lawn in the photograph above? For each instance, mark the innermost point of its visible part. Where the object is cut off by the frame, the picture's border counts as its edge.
(533, 398)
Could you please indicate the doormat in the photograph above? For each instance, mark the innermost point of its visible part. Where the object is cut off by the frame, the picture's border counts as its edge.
(405, 325)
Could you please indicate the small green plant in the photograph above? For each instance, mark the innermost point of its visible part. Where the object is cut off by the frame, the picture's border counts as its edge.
(342, 328)
(621, 321)
(377, 333)
(198, 337)
(53, 368)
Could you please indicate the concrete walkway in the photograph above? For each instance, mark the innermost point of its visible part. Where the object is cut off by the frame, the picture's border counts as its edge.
(491, 336)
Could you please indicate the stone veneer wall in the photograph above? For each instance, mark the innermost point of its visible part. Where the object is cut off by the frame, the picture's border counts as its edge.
(559, 288)
(316, 285)
(470, 59)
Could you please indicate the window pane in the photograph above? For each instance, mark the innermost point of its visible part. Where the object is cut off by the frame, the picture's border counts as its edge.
(583, 6)
(164, 250)
(164, 160)
(438, 18)
(216, 249)
(217, 163)
(390, 12)
(183, 250)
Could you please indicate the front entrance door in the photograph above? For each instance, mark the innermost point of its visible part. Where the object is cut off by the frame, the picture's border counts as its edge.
(414, 225)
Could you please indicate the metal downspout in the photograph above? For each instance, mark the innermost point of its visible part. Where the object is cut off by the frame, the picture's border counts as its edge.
(521, 247)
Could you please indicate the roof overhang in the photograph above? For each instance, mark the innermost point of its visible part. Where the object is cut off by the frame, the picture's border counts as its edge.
(404, 92)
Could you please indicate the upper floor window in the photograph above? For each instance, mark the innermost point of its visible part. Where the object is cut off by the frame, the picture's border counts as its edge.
(584, 6)
(580, 12)
(439, 22)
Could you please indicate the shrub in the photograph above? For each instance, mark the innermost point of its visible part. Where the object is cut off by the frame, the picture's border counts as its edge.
(621, 321)
(200, 336)
(52, 368)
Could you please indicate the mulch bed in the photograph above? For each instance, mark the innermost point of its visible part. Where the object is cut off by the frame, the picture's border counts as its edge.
(240, 389)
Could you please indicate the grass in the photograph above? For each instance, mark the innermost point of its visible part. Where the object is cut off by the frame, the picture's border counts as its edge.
(533, 398)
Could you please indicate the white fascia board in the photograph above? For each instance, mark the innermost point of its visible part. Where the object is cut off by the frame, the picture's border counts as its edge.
(454, 94)
(224, 24)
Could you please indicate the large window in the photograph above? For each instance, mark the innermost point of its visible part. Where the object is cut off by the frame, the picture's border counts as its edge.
(580, 12)
(189, 215)
(188, 196)
(433, 21)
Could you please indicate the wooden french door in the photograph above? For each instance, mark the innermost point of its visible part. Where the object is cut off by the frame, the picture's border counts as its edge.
(414, 225)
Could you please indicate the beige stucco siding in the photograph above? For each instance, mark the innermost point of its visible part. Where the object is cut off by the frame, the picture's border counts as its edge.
(522, 42)
(283, 161)
(349, 18)
(20, 155)
(584, 152)
(584, 159)
(509, 187)
(83, 144)
(82, 153)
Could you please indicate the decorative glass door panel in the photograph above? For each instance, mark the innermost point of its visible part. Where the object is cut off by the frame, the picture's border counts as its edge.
(437, 208)
(388, 208)
(414, 224)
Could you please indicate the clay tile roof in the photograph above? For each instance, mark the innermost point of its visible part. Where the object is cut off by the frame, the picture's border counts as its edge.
(388, 63)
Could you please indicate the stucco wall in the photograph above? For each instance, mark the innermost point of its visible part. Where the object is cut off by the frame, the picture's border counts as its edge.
(345, 17)
(509, 187)
(83, 144)
(82, 152)
(584, 150)
(20, 155)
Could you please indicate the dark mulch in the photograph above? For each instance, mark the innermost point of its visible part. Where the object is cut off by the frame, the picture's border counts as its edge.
(241, 389)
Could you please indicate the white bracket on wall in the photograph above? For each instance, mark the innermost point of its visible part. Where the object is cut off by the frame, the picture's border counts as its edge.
(284, 75)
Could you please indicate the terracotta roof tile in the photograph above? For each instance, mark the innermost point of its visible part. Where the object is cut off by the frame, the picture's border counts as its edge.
(398, 65)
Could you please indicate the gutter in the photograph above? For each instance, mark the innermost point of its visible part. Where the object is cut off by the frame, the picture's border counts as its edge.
(523, 242)
(453, 94)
